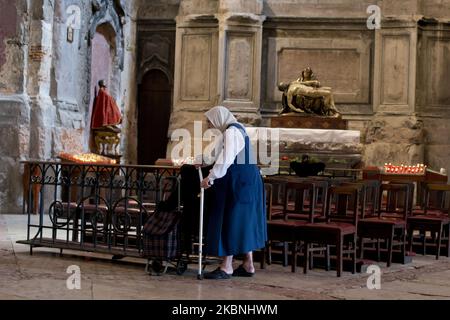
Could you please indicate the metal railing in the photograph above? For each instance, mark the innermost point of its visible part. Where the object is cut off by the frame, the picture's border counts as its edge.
(91, 207)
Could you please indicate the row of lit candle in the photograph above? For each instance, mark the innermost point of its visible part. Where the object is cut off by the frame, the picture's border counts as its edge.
(404, 169)
(87, 158)
(180, 162)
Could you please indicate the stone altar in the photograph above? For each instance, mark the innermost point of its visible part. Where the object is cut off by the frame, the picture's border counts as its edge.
(336, 148)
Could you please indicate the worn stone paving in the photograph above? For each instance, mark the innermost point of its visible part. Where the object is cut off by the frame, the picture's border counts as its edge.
(43, 276)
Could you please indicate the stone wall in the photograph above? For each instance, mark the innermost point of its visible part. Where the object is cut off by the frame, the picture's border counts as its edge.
(390, 83)
(432, 88)
(45, 81)
(340, 52)
(217, 60)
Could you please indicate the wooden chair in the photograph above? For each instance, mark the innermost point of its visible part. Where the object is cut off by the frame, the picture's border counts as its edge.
(338, 230)
(390, 223)
(274, 211)
(283, 230)
(435, 218)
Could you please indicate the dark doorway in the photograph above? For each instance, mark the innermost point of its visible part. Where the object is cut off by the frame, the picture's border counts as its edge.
(154, 116)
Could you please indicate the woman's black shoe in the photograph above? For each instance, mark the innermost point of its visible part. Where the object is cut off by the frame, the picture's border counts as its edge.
(217, 274)
(241, 272)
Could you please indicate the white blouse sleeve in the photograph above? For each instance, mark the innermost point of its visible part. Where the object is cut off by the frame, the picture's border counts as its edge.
(233, 144)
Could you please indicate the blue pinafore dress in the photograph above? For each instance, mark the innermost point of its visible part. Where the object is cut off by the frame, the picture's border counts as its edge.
(237, 219)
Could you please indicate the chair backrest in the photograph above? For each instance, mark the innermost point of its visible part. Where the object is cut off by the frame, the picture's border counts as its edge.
(395, 199)
(337, 181)
(411, 192)
(322, 186)
(372, 192)
(368, 197)
(304, 199)
(342, 204)
(269, 198)
(278, 182)
(436, 199)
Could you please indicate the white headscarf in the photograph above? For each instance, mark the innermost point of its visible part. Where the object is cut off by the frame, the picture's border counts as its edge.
(220, 117)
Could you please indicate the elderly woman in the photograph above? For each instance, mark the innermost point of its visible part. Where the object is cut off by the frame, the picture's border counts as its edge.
(237, 220)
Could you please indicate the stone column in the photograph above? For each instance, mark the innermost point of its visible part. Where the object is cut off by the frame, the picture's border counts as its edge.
(38, 85)
(14, 106)
(240, 46)
(217, 60)
(129, 87)
(395, 133)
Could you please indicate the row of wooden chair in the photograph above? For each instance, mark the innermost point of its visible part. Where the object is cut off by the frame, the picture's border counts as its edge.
(327, 213)
(433, 217)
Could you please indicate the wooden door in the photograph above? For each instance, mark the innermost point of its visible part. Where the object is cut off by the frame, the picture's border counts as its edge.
(154, 116)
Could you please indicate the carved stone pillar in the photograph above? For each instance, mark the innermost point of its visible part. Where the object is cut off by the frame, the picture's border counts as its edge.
(217, 60)
(14, 106)
(396, 133)
(39, 79)
(240, 45)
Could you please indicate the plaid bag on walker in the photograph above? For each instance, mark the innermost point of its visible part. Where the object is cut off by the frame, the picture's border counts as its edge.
(161, 235)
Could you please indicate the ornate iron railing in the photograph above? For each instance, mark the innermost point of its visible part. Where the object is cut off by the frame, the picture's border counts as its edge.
(91, 207)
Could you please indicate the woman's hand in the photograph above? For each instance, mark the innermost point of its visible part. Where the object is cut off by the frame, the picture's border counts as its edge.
(205, 184)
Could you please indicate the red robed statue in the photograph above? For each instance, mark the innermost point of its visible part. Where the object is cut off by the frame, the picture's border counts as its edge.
(105, 111)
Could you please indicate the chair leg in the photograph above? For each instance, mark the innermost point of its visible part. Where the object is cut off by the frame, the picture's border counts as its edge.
(54, 232)
(263, 257)
(339, 261)
(410, 239)
(269, 253)
(424, 242)
(327, 258)
(294, 256)
(361, 247)
(403, 245)
(438, 244)
(448, 240)
(311, 258)
(285, 254)
(390, 242)
(378, 250)
(433, 237)
(354, 254)
(75, 228)
(305, 262)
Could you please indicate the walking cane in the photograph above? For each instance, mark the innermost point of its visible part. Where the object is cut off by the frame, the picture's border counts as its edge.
(200, 235)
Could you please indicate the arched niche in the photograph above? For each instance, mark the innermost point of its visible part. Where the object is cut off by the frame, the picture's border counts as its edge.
(103, 58)
(109, 12)
(104, 64)
(105, 39)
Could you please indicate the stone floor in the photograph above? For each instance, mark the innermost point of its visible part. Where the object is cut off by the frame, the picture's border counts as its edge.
(43, 276)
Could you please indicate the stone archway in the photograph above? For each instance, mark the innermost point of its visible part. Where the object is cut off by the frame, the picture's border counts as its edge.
(154, 109)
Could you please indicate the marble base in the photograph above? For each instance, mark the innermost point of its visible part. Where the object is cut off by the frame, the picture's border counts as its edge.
(336, 148)
(307, 121)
